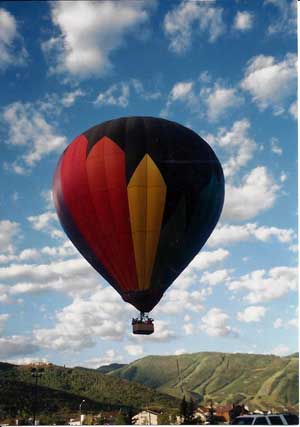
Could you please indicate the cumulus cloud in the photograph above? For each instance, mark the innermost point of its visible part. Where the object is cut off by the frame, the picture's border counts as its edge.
(184, 93)
(110, 356)
(9, 232)
(189, 18)
(29, 129)
(293, 110)
(215, 277)
(279, 323)
(78, 325)
(235, 142)
(254, 313)
(276, 149)
(271, 82)
(12, 51)
(47, 223)
(228, 234)
(215, 323)
(88, 32)
(117, 95)
(73, 276)
(219, 100)
(189, 328)
(134, 350)
(257, 193)
(16, 345)
(69, 98)
(243, 21)
(205, 259)
(262, 286)
(179, 300)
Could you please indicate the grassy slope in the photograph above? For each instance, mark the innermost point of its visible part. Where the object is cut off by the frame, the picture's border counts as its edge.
(259, 380)
(65, 388)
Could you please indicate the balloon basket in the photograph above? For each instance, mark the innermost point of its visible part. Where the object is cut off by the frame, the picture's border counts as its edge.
(143, 325)
(141, 328)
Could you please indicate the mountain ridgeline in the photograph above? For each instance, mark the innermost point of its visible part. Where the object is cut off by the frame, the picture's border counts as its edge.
(260, 381)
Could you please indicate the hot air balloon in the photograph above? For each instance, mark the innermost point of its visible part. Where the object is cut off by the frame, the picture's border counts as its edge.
(139, 197)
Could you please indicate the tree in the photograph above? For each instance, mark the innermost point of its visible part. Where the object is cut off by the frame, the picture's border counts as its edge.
(183, 410)
(187, 410)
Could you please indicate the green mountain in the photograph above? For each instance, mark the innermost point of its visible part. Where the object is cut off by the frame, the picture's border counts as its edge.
(105, 369)
(61, 390)
(260, 381)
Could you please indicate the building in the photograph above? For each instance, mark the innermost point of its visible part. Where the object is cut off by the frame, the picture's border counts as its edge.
(146, 417)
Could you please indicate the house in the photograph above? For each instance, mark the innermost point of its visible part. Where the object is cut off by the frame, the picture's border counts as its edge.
(146, 417)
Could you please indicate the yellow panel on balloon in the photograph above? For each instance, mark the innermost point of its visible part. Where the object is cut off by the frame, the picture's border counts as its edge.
(146, 197)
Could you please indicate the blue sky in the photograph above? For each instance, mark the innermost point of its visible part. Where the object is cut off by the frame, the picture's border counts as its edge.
(229, 73)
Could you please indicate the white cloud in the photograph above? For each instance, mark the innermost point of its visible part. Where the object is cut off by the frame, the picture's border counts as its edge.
(214, 323)
(254, 313)
(271, 82)
(69, 98)
(243, 21)
(134, 350)
(237, 143)
(12, 52)
(278, 323)
(205, 259)
(193, 17)
(27, 360)
(281, 350)
(216, 277)
(182, 92)
(257, 193)
(275, 147)
(110, 356)
(262, 286)
(293, 110)
(117, 95)
(188, 328)
(90, 31)
(286, 19)
(16, 345)
(219, 100)
(9, 231)
(180, 351)
(102, 315)
(28, 128)
(47, 223)
(229, 234)
(179, 300)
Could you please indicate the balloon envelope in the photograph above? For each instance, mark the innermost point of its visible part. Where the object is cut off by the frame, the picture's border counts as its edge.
(139, 197)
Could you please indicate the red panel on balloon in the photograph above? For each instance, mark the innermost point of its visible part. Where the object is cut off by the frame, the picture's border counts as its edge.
(105, 166)
(77, 197)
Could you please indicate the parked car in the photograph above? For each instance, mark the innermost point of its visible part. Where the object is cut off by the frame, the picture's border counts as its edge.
(267, 419)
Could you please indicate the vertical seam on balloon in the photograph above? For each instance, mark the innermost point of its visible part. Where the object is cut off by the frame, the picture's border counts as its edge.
(115, 272)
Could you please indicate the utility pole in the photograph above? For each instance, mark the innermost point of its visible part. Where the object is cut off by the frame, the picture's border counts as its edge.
(36, 373)
(80, 419)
